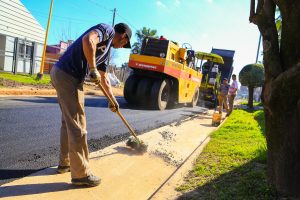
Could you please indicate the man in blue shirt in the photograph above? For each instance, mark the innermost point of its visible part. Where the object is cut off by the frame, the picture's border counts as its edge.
(87, 55)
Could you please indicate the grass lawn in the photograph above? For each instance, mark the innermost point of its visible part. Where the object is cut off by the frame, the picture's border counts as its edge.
(25, 78)
(255, 103)
(233, 164)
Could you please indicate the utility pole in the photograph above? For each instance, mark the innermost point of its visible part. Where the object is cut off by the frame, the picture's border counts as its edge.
(113, 24)
(40, 75)
(114, 15)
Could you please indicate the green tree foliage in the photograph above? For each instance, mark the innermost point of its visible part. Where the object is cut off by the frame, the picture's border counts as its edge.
(124, 65)
(141, 34)
(252, 76)
(278, 22)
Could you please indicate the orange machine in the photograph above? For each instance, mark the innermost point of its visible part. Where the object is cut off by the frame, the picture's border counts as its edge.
(163, 75)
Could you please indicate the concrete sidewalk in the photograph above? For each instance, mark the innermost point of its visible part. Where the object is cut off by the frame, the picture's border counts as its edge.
(124, 173)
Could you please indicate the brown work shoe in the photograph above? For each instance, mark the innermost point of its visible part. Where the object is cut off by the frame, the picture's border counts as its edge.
(90, 181)
(62, 169)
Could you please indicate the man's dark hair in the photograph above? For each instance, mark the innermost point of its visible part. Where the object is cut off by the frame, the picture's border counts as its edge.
(124, 28)
(234, 75)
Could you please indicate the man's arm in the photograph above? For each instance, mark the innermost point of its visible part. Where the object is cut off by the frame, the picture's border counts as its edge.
(235, 86)
(107, 87)
(105, 83)
(89, 43)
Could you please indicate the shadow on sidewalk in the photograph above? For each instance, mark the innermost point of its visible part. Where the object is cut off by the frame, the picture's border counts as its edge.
(9, 175)
(30, 189)
(207, 125)
(15, 173)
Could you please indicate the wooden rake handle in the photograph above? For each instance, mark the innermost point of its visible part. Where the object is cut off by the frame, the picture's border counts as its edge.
(118, 112)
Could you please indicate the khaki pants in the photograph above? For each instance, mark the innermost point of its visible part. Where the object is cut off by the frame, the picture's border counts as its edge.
(73, 135)
(222, 98)
(231, 101)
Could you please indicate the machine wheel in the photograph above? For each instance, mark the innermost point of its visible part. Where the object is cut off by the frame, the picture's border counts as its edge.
(195, 98)
(143, 92)
(130, 89)
(172, 103)
(160, 94)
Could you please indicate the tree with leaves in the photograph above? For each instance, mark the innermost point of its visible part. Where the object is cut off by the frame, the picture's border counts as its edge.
(281, 91)
(141, 34)
(124, 65)
(252, 76)
(278, 21)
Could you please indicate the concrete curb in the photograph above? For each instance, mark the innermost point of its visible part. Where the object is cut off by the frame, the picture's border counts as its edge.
(167, 191)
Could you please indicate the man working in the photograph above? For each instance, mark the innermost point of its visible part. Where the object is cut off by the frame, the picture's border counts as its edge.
(222, 97)
(88, 53)
(232, 93)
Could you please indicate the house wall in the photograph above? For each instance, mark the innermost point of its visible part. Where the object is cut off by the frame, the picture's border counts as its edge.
(16, 21)
(2, 51)
(38, 57)
(9, 53)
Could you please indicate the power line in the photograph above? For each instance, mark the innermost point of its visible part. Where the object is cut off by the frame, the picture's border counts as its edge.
(99, 5)
(113, 23)
(59, 17)
(110, 10)
(127, 21)
(75, 20)
(117, 13)
(80, 8)
(192, 34)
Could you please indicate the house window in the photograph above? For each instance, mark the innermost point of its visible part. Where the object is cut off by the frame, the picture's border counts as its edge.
(21, 49)
(29, 50)
(25, 49)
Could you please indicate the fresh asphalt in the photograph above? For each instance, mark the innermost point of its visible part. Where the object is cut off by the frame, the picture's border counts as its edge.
(29, 130)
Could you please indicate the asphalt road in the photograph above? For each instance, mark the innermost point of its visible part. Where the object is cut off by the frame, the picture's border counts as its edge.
(29, 130)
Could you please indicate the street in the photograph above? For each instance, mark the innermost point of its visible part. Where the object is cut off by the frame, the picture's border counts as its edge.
(29, 130)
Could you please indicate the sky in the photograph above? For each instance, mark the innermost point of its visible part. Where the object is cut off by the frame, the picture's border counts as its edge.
(204, 24)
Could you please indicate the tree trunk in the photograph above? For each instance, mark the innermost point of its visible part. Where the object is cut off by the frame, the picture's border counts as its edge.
(282, 116)
(281, 92)
(250, 97)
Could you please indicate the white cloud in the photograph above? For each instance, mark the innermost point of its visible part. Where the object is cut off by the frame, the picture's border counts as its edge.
(210, 1)
(177, 3)
(204, 35)
(160, 4)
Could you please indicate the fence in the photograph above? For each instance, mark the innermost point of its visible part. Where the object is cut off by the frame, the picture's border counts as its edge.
(122, 73)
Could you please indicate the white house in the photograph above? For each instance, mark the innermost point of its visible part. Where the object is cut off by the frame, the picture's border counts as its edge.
(21, 38)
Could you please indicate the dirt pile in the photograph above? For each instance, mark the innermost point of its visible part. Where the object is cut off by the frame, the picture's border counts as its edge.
(9, 83)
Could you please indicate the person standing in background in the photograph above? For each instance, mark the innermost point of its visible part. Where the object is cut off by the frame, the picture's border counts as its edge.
(222, 96)
(232, 93)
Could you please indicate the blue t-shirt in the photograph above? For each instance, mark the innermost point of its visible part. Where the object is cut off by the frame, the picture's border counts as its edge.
(224, 89)
(73, 60)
